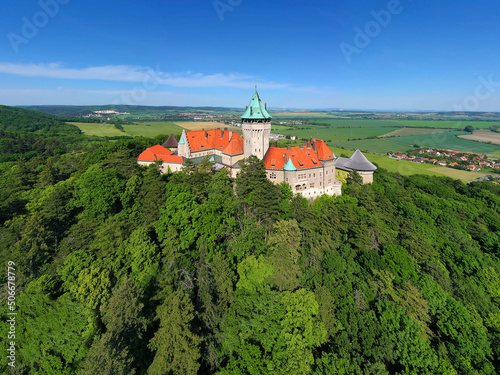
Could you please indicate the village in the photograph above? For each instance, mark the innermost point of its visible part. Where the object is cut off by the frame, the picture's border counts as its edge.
(449, 158)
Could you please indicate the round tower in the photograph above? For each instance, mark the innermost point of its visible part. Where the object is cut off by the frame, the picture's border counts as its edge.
(256, 126)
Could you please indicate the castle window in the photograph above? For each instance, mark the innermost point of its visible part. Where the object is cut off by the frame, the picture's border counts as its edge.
(272, 175)
(311, 185)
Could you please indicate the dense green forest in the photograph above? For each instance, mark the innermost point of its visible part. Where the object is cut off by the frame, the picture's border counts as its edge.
(122, 270)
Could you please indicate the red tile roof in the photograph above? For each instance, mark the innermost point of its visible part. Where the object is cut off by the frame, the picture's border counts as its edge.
(235, 146)
(323, 151)
(214, 139)
(159, 153)
(301, 158)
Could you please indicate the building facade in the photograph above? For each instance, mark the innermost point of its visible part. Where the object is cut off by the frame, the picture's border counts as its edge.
(309, 169)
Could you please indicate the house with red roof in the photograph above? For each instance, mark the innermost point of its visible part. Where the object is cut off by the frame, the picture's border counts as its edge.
(310, 169)
(160, 154)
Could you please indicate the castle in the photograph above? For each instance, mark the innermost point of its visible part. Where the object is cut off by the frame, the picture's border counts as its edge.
(310, 169)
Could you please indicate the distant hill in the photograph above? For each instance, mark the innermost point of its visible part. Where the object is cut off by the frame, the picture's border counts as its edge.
(79, 111)
(15, 119)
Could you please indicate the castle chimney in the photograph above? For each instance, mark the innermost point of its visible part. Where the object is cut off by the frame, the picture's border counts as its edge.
(230, 135)
(289, 148)
(251, 111)
(206, 134)
(265, 106)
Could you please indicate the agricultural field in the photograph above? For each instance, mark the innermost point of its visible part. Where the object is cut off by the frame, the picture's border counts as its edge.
(143, 129)
(335, 134)
(403, 132)
(446, 124)
(378, 146)
(343, 123)
(449, 141)
(99, 130)
(485, 136)
(199, 125)
(152, 129)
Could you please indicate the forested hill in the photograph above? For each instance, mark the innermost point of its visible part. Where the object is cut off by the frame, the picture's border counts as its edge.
(24, 120)
(121, 270)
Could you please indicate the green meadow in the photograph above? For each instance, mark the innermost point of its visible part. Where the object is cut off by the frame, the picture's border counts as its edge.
(143, 129)
(446, 124)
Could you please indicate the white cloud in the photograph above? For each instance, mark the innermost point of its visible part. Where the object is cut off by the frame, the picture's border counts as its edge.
(145, 75)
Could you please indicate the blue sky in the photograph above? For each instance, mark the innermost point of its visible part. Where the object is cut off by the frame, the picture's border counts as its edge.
(397, 54)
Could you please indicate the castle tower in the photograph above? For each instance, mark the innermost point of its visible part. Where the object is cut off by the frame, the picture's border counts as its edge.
(256, 126)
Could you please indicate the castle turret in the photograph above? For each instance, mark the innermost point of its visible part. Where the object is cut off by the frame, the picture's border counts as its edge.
(256, 126)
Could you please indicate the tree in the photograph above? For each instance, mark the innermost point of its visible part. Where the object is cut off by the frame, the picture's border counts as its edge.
(284, 242)
(98, 192)
(176, 347)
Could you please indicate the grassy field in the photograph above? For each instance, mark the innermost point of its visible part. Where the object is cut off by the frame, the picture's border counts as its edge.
(99, 130)
(144, 129)
(379, 146)
(199, 125)
(446, 124)
(332, 134)
(341, 123)
(483, 136)
(403, 132)
(449, 141)
(152, 129)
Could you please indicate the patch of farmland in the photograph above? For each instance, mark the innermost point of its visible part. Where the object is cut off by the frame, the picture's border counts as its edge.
(333, 134)
(342, 123)
(448, 141)
(403, 132)
(377, 146)
(99, 130)
(152, 129)
(465, 176)
(446, 124)
(483, 136)
(199, 125)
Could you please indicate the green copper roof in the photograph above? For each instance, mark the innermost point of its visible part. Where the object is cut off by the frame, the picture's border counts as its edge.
(256, 110)
(289, 166)
(181, 142)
